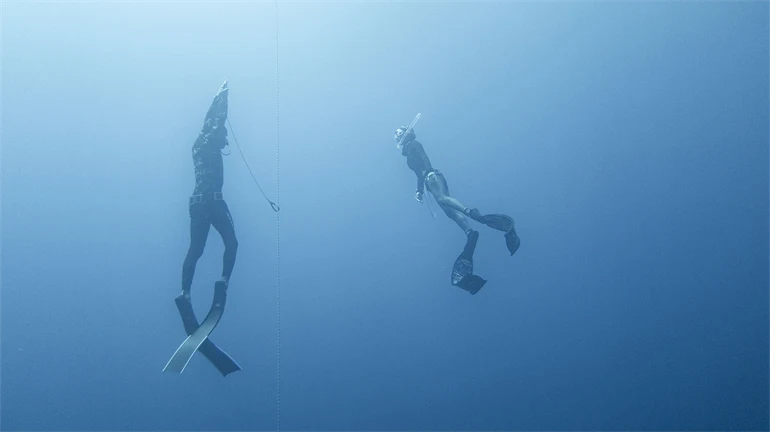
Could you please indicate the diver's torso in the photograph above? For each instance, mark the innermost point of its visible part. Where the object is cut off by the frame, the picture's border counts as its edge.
(416, 158)
(209, 169)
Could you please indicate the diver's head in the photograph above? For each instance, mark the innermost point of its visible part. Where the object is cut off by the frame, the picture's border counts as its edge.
(400, 134)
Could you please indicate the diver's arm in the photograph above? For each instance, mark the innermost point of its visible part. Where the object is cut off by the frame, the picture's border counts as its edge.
(199, 143)
(217, 112)
(420, 186)
(215, 119)
(418, 157)
(420, 182)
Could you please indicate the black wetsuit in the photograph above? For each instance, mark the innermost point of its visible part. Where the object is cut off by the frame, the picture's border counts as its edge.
(418, 161)
(207, 206)
(435, 182)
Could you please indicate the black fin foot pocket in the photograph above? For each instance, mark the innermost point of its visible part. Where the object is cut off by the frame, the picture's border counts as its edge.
(475, 215)
(470, 244)
(499, 222)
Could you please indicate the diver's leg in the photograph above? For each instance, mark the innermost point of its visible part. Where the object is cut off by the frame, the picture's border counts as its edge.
(457, 217)
(440, 189)
(223, 223)
(199, 231)
(453, 203)
(462, 270)
(438, 186)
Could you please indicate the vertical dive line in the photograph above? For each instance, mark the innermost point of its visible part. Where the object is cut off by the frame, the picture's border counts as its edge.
(1, 155)
(278, 230)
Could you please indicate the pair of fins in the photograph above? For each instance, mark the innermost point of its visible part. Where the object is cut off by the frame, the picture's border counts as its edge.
(198, 335)
(462, 272)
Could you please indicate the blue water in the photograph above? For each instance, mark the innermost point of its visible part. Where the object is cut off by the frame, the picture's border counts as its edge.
(629, 140)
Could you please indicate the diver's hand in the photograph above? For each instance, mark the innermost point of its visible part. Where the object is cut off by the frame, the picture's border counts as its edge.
(223, 89)
(418, 196)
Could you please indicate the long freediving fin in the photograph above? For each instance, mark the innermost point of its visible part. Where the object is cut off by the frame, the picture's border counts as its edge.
(503, 223)
(499, 222)
(178, 362)
(217, 356)
(462, 271)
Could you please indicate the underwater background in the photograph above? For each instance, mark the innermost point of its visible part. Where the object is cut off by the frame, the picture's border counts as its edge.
(628, 140)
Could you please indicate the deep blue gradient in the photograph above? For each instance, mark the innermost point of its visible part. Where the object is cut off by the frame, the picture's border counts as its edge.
(629, 140)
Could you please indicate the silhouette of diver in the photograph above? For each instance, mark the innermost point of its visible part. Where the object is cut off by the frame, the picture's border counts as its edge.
(434, 181)
(207, 205)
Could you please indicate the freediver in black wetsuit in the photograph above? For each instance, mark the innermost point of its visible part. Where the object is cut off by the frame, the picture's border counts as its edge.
(207, 205)
(435, 182)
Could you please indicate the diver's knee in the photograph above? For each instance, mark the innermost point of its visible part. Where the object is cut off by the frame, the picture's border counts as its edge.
(195, 252)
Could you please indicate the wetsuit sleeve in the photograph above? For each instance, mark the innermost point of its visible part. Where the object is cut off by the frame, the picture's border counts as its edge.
(421, 164)
(214, 125)
(420, 182)
(217, 113)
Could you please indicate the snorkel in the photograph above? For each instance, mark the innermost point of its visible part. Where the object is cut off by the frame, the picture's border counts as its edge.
(400, 139)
